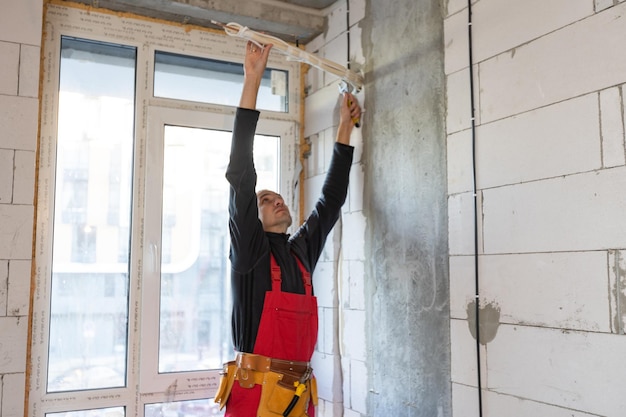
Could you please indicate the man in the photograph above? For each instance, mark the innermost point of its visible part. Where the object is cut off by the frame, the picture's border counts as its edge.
(274, 320)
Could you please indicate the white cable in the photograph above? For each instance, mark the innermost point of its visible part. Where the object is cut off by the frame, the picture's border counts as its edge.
(261, 39)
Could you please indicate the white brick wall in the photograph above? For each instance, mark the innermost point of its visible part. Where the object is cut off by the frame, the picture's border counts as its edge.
(551, 166)
(500, 26)
(572, 213)
(576, 370)
(339, 361)
(501, 405)
(6, 172)
(612, 123)
(20, 40)
(559, 290)
(458, 114)
(560, 65)
(18, 129)
(465, 398)
(9, 69)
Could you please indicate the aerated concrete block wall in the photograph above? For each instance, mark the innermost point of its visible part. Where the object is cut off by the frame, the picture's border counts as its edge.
(340, 359)
(20, 41)
(549, 80)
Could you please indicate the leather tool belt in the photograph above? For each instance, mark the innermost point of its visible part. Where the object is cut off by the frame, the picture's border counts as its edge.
(278, 379)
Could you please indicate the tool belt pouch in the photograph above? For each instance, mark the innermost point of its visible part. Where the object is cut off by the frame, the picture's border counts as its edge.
(276, 396)
(313, 385)
(226, 383)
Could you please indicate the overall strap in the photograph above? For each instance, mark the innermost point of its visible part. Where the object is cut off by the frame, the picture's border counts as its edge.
(275, 270)
(276, 275)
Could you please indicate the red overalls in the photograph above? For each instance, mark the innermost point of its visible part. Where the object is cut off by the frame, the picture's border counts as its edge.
(288, 331)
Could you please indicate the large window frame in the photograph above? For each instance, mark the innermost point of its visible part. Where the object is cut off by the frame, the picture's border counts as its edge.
(143, 384)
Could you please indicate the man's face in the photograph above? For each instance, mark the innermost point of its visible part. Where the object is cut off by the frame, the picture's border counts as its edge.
(273, 212)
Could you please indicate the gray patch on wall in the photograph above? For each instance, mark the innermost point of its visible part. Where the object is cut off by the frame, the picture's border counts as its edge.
(489, 315)
(617, 282)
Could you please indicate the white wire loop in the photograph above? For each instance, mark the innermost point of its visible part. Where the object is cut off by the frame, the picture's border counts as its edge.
(261, 39)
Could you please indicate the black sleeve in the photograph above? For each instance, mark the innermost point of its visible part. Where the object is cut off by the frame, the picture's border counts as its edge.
(310, 238)
(248, 240)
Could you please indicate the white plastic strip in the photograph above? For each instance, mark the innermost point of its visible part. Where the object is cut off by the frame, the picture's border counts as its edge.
(350, 77)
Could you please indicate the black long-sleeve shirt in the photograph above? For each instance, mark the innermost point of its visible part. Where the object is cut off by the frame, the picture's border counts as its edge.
(251, 245)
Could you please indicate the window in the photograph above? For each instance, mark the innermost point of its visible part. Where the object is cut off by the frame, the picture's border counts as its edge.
(212, 81)
(95, 126)
(131, 315)
(194, 299)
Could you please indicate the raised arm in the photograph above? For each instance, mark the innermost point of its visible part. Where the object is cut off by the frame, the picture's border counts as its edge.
(328, 207)
(246, 232)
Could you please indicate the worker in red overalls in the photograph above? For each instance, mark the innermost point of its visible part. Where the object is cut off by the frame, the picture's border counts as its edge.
(274, 319)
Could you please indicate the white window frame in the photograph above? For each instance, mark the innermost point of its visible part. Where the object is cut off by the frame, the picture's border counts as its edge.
(158, 118)
(150, 115)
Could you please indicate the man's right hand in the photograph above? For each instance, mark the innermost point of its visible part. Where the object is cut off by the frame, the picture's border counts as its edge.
(256, 59)
(254, 66)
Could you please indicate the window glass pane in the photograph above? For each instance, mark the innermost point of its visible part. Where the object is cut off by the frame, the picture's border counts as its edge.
(195, 273)
(217, 82)
(194, 408)
(98, 412)
(89, 295)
